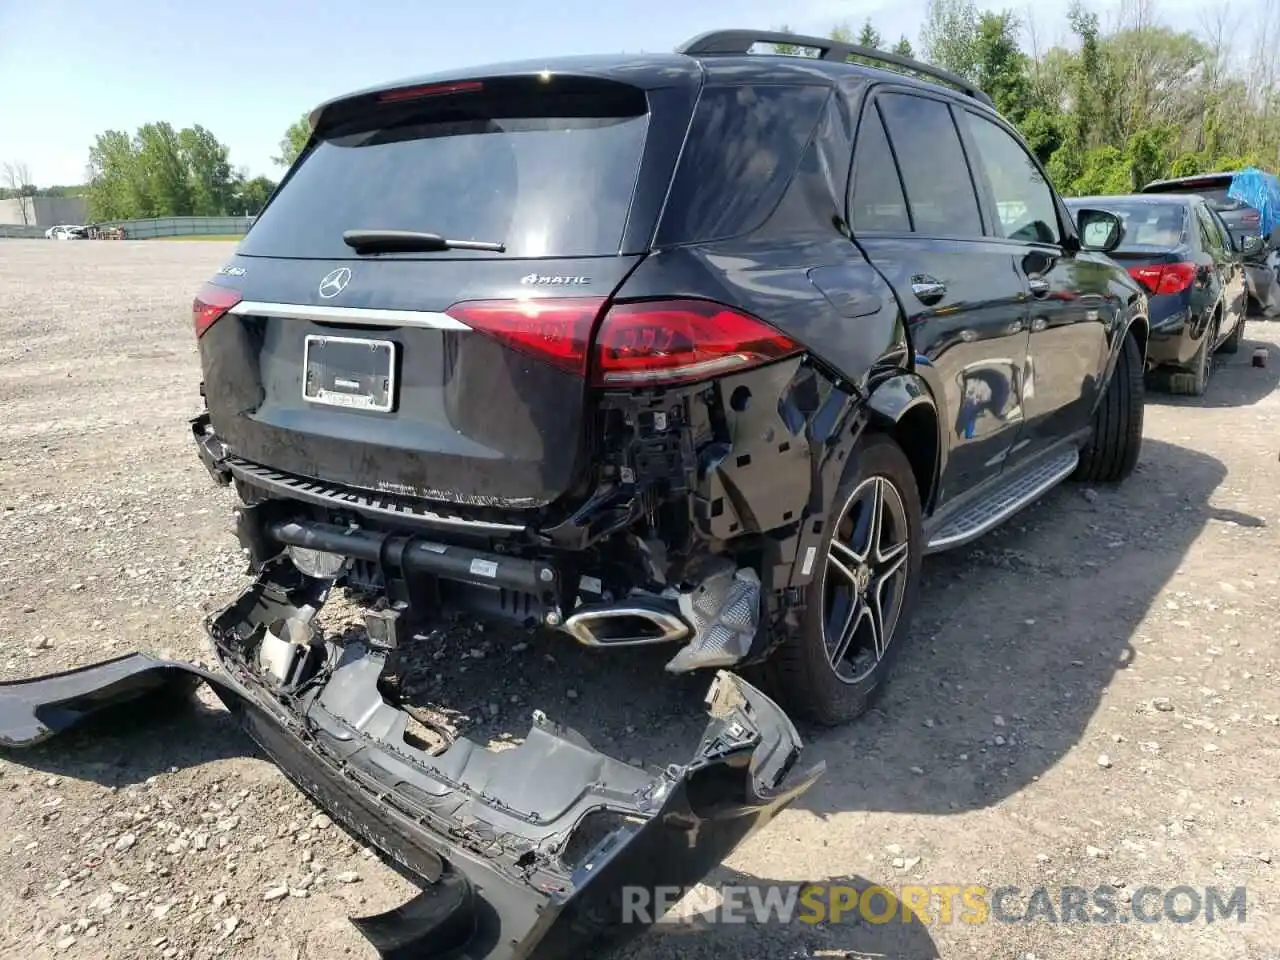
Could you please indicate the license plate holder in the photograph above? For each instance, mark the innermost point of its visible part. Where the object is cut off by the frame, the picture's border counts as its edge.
(356, 373)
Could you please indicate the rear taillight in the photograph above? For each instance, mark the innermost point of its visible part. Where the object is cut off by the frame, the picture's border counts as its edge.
(1249, 216)
(557, 331)
(1165, 278)
(679, 341)
(210, 304)
(656, 342)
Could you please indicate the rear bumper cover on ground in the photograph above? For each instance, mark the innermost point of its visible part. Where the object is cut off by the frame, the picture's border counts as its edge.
(489, 834)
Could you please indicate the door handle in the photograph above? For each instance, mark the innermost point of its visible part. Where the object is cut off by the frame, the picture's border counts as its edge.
(927, 289)
(1039, 285)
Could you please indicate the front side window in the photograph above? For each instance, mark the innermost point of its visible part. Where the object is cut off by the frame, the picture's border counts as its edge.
(1024, 201)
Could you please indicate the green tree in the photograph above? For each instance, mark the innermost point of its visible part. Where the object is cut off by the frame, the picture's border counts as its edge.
(252, 195)
(869, 36)
(164, 169)
(903, 48)
(293, 142)
(212, 184)
(950, 36)
(1000, 67)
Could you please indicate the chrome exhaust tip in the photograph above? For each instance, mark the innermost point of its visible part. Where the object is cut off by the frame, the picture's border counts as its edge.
(625, 625)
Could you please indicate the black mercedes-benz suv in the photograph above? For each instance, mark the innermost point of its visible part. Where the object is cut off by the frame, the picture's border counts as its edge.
(704, 349)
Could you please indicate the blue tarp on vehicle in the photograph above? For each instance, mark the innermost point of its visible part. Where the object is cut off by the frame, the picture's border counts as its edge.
(1260, 190)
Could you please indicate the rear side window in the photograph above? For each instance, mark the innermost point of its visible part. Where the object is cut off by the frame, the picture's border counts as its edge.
(934, 171)
(546, 173)
(1209, 231)
(877, 203)
(743, 148)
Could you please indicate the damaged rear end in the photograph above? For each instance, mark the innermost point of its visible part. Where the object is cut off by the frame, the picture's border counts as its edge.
(539, 851)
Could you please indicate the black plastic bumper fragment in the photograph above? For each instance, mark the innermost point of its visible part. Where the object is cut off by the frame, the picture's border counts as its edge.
(489, 834)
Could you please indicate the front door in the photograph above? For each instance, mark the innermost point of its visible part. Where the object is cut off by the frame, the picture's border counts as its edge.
(1069, 302)
(915, 213)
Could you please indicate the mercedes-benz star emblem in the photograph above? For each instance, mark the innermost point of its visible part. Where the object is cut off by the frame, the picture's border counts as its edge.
(335, 282)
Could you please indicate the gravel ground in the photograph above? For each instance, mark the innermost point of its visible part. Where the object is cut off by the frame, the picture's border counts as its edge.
(1089, 696)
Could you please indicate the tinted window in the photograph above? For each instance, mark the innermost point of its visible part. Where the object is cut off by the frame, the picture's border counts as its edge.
(877, 202)
(1024, 202)
(743, 148)
(934, 172)
(551, 175)
(1148, 224)
(1209, 238)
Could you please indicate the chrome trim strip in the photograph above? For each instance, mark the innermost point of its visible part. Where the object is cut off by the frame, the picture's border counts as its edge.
(361, 316)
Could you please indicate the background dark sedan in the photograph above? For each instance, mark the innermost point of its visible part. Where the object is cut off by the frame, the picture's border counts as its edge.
(1180, 250)
(1242, 221)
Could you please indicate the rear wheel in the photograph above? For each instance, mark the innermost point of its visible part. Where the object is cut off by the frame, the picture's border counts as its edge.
(1232, 343)
(1194, 382)
(862, 595)
(1112, 450)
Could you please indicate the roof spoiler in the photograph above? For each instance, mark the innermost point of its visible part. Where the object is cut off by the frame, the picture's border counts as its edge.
(740, 42)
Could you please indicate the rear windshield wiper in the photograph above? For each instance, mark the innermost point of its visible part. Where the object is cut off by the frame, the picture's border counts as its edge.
(412, 241)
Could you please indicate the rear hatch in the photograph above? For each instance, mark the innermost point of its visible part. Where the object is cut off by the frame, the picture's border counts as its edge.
(421, 368)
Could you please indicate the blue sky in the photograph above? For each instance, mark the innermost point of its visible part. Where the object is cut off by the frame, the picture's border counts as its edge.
(246, 69)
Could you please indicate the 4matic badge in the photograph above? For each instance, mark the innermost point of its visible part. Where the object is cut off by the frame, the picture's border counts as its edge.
(539, 280)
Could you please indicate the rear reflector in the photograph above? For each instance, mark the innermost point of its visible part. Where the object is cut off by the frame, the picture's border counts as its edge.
(1165, 278)
(1249, 216)
(433, 90)
(557, 331)
(210, 304)
(681, 341)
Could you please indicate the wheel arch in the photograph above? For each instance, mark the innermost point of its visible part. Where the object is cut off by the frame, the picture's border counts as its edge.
(903, 407)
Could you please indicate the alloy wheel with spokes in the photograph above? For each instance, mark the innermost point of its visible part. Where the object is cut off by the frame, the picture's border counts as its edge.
(865, 578)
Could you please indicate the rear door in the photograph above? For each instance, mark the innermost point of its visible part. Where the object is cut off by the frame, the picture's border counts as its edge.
(1228, 265)
(1069, 314)
(916, 215)
(452, 374)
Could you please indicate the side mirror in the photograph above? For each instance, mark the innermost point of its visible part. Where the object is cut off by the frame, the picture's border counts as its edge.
(1100, 231)
(1252, 245)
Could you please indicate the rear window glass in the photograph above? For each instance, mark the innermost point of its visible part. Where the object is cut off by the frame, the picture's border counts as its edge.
(546, 174)
(1214, 193)
(743, 148)
(1148, 225)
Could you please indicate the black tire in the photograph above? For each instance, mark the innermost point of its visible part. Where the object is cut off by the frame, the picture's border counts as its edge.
(1112, 450)
(800, 674)
(1194, 382)
(1232, 343)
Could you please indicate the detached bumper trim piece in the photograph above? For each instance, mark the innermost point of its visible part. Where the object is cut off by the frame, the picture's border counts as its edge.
(482, 900)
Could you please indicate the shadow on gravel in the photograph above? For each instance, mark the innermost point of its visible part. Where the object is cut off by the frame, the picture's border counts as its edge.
(149, 738)
(706, 935)
(1236, 382)
(1017, 640)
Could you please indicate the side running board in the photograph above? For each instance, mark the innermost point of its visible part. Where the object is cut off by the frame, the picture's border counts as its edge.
(1015, 492)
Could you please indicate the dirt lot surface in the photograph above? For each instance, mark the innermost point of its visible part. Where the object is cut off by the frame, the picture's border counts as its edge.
(1089, 697)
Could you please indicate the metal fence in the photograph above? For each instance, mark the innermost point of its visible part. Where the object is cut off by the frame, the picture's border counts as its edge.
(155, 228)
(17, 230)
(181, 227)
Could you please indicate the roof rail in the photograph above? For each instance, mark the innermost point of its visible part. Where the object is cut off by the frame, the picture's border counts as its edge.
(741, 42)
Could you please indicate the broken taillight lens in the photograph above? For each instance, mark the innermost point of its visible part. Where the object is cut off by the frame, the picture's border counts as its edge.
(209, 306)
(555, 330)
(680, 341)
(1165, 278)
